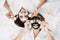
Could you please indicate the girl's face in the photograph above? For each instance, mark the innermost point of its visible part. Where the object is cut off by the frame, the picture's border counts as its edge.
(35, 24)
(23, 15)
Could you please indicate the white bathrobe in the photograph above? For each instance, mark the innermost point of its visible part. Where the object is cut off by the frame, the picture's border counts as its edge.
(7, 26)
(30, 36)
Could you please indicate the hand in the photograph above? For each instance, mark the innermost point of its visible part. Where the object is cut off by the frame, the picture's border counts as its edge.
(45, 25)
(35, 12)
(10, 14)
(27, 24)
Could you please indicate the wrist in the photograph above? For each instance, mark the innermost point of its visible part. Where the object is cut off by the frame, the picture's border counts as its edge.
(38, 6)
(46, 29)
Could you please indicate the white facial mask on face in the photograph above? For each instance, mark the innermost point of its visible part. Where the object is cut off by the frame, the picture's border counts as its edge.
(23, 13)
(23, 19)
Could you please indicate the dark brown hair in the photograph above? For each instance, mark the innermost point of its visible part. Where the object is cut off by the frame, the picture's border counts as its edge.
(41, 17)
(18, 22)
(21, 24)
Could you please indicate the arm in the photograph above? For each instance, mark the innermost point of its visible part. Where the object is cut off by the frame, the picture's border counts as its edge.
(35, 12)
(6, 5)
(41, 3)
(23, 32)
(20, 35)
(47, 30)
(9, 14)
(50, 37)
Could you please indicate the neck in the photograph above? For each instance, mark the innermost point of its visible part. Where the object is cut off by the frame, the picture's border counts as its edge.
(36, 32)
